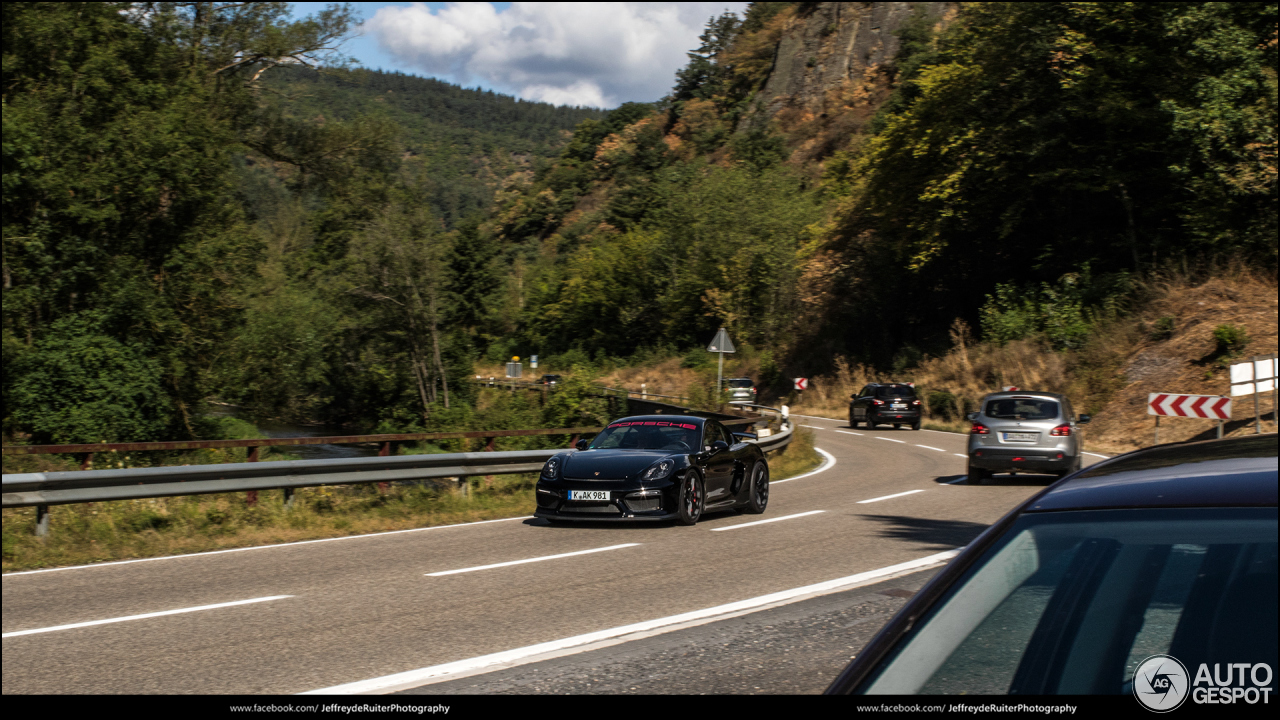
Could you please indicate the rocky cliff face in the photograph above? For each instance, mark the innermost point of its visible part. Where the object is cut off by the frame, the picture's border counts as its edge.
(832, 70)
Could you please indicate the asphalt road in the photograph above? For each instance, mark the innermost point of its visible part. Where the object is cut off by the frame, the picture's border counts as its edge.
(337, 614)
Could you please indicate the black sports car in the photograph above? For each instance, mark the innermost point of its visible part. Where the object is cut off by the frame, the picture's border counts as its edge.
(654, 467)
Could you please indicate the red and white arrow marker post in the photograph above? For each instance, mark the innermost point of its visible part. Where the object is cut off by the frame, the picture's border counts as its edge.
(1209, 407)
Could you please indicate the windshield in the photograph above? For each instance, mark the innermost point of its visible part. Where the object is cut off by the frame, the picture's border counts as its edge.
(1022, 409)
(647, 435)
(739, 383)
(1073, 602)
(895, 391)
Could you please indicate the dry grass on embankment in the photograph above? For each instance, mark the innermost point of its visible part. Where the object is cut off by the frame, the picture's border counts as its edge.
(1165, 345)
(127, 529)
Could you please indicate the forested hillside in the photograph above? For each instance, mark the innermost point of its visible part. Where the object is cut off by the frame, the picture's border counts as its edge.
(838, 184)
(192, 212)
(1028, 162)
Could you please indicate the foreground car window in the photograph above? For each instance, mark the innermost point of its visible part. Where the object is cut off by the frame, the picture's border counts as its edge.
(1072, 602)
(894, 391)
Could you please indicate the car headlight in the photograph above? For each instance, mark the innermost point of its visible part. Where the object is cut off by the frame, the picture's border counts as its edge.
(552, 468)
(659, 470)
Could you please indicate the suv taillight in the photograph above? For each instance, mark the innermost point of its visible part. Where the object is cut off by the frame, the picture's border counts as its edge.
(915, 402)
(877, 402)
(978, 429)
(1061, 431)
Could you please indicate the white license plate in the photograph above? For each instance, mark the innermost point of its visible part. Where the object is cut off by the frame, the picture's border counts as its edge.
(1024, 437)
(589, 495)
(899, 406)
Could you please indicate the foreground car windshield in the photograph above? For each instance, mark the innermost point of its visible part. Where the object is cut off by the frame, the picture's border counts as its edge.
(1073, 602)
(648, 435)
(1021, 409)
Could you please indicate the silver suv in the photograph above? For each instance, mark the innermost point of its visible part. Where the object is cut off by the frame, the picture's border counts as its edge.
(1029, 432)
(740, 390)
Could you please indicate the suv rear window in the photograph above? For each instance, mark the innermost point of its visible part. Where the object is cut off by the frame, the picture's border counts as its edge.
(739, 382)
(1021, 409)
(895, 391)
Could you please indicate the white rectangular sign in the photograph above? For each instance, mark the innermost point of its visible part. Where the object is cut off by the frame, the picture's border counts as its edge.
(1253, 376)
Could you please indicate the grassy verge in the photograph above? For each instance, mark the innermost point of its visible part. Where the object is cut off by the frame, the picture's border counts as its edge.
(796, 458)
(127, 529)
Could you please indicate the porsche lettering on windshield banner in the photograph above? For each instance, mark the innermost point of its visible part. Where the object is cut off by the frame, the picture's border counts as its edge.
(686, 426)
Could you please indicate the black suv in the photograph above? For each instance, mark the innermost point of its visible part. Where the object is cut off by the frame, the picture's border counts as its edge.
(884, 403)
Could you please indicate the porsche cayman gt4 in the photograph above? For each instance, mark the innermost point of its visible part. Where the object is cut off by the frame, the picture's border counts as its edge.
(655, 467)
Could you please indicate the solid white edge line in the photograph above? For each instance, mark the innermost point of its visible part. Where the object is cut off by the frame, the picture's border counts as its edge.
(926, 447)
(827, 465)
(960, 479)
(770, 520)
(1095, 454)
(143, 616)
(264, 547)
(815, 427)
(847, 432)
(904, 442)
(889, 497)
(966, 457)
(625, 633)
(530, 560)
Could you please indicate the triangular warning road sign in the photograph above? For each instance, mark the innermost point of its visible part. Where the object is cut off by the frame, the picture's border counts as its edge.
(721, 343)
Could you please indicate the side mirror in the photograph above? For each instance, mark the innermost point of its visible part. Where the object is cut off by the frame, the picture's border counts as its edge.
(719, 446)
(1083, 419)
(972, 416)
(582, 444)
(853, 396)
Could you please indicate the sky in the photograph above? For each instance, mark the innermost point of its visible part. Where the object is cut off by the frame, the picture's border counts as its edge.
(590, 54)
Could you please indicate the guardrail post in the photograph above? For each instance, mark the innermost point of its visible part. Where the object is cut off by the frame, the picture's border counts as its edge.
(86, 460)
(251, 497)
(288, 498)
(42, 520)
(488, 444)
(573, 441)
(386, 450)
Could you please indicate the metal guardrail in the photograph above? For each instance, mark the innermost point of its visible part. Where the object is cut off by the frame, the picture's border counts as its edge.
(59, 488)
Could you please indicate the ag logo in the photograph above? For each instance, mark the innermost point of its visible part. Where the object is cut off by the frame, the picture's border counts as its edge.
(1160, 683)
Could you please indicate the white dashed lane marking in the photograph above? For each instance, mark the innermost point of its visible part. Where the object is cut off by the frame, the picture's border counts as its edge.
(889, 497)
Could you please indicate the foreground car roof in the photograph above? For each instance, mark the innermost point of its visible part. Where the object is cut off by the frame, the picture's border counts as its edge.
(1235, 472)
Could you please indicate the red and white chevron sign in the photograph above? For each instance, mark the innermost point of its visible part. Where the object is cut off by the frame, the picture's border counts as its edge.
(1212, 407)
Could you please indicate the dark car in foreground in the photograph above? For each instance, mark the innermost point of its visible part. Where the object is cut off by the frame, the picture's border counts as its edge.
(654, 467)
(1136, 575)
(885, 404)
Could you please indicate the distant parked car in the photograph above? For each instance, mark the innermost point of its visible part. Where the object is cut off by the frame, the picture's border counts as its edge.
(550, 380)
(1133, 576)
(885, 403)
(740, 390)
(1021, 431)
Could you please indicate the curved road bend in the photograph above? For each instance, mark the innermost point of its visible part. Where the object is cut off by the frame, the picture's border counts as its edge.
(330, 613)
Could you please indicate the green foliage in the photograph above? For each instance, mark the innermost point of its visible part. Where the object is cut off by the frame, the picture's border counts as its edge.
(1162, 329)
(78, 386)
(1057, 311)
(1231, 340)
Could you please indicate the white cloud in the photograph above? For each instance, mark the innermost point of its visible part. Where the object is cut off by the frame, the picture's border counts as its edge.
(599, 54)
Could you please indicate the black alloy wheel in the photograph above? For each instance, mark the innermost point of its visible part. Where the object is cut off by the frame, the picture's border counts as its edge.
(758, 493)
(977, 476)
(897, 426)
(852, 423)
(690, 500)
(915, 425)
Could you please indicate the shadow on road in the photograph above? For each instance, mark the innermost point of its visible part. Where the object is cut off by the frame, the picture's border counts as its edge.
(944, 534)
